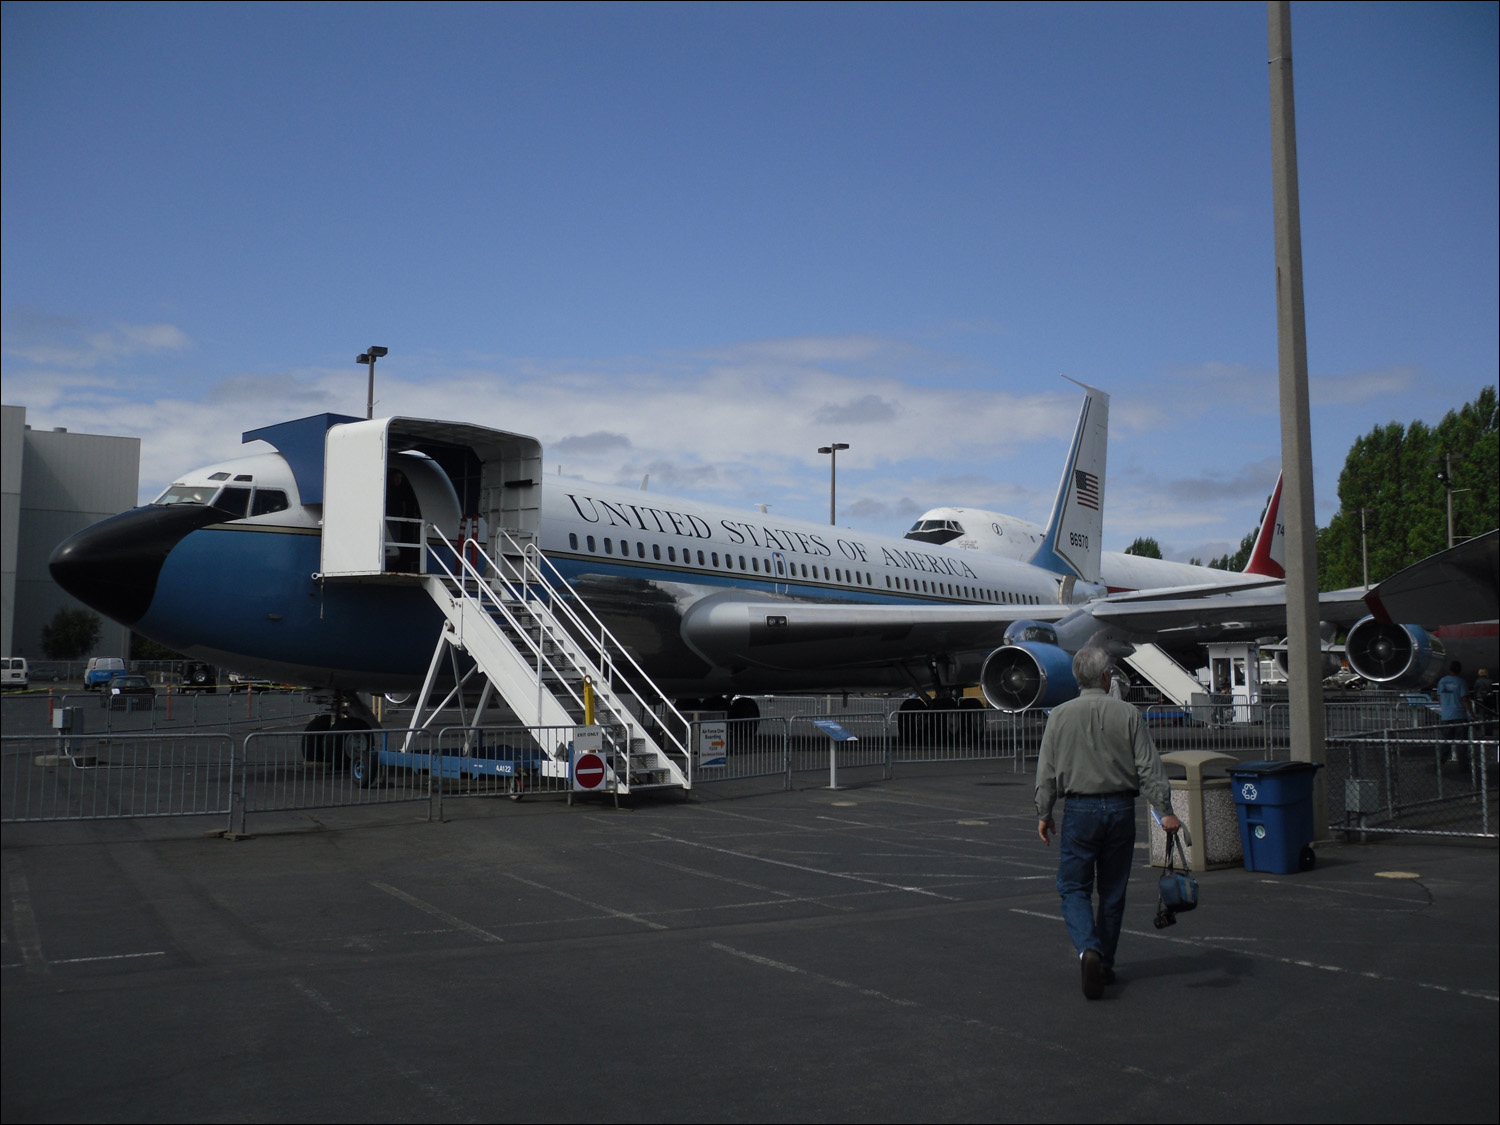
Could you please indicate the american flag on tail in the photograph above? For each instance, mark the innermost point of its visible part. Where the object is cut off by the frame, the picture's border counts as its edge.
(1086, 489)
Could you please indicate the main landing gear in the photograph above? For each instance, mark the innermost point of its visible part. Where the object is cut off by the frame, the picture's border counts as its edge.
(342, 737)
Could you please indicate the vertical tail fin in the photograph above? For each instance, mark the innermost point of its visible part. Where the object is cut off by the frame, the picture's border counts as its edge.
(1269, 552)
(1071, 544)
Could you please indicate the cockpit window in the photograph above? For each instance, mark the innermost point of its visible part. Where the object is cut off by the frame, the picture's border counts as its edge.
(935, 531)
(235, 501)
(187, 494)
(268, 500)
(219, 476)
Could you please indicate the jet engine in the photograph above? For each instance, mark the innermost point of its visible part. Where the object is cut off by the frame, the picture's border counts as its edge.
(1332, 665)
(1397, 656)
(1029, 670)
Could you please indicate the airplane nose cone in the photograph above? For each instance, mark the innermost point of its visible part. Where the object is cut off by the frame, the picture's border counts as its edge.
(113, 565)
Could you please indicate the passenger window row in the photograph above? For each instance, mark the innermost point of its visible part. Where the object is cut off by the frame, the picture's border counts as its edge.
(757, 565)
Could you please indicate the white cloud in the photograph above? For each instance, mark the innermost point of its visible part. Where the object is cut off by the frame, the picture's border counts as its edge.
(1360, 386)
(54, 341)
(741, 426)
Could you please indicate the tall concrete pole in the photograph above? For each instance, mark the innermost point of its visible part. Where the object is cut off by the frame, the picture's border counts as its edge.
(1304, 650)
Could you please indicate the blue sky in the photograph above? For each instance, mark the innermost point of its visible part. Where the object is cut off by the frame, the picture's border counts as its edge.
(700, 241)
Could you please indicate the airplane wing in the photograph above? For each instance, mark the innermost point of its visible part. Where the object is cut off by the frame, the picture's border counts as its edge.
(1230, 615)
(1457, 585)
(734, 632)
(731, 631)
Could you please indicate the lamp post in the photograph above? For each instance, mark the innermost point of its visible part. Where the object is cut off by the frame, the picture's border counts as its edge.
(1445, 478)
(833, 473)
(370, 357)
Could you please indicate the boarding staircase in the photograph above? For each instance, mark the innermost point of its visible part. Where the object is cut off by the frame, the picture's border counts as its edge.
(553, 662)
(1165, 674)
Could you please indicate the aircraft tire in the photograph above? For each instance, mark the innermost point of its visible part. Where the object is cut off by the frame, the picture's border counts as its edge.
(364, 760)
(970, 721)
(944, 726)
(316, 740)
(911, 720)
(351, 743)
(744, 719)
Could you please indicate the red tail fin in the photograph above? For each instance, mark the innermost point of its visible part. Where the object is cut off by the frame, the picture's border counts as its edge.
(1267, 554)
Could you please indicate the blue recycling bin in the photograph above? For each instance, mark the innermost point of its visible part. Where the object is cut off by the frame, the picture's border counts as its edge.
(1275, 804)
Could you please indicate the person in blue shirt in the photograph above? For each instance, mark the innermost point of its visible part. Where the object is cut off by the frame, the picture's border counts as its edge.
(1453, 695)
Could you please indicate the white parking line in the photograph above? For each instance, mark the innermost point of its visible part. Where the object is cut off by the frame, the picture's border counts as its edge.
(436, 912)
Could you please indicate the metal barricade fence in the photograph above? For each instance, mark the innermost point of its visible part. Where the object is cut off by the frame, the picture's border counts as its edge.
(286, 770)
(1440, 780)
(753, 748)
(101, 712)
(963, 734)
(810, 748)
(289, 770)
(94, 777)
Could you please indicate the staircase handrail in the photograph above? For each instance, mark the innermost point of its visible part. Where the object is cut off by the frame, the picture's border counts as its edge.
(550, 577)
(492, 602)
(592, 631)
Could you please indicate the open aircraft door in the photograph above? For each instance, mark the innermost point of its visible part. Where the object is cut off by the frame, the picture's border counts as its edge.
(354, 472)
(462, 476)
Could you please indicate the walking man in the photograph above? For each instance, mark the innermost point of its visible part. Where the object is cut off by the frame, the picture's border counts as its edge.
(1097, 755)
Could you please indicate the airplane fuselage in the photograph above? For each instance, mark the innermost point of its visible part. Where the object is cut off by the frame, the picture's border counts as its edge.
(246, 592)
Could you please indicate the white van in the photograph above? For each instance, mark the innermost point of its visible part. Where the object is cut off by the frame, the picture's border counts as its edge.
(15, 675)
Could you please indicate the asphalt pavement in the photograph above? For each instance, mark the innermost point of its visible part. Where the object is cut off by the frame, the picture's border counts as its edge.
(890, 951)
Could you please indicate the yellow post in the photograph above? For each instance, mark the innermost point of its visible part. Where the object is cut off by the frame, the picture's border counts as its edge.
(588, 701)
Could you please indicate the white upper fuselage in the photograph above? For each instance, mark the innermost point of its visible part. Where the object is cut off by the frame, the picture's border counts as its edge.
(589, 527)
(994, 533)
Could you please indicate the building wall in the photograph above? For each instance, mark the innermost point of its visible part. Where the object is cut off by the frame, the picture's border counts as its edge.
(66, 482)
(12, 440)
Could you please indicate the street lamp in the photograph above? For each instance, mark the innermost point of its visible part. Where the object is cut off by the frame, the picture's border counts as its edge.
(833, 472)
(1445, 478)
(370, 357)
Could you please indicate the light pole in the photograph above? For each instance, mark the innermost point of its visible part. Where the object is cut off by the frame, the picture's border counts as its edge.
(370, 357)
(1445, 477)
(833, 473)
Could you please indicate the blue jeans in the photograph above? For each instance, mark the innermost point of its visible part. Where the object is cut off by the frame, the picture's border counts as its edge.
(1095, 850)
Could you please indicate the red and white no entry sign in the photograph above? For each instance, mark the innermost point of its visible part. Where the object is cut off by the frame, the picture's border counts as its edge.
(588, 771)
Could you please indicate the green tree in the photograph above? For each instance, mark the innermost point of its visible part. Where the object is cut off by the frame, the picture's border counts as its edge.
(144, 648)
(1392, 502)
(1145, 547)
(70, 635)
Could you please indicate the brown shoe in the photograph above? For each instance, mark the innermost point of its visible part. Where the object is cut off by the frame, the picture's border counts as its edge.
(1093, 974)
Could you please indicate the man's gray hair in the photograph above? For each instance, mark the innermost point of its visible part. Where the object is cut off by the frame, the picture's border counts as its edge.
(1089, 667)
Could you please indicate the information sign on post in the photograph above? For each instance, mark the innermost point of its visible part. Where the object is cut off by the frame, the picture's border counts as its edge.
(836, 734)
(713, 739)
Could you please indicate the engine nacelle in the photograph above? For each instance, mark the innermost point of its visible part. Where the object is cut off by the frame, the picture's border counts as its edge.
(1331, 663)
(1397, 656)
(1027, 674)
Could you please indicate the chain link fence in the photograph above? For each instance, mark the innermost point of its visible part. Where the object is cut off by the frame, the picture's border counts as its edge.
(1440, 780)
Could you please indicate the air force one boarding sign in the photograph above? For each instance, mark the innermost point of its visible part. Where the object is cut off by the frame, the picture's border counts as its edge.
(713, 738)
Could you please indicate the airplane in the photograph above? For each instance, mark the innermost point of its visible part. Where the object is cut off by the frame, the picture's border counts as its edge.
(978, 529)
(284, 564)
